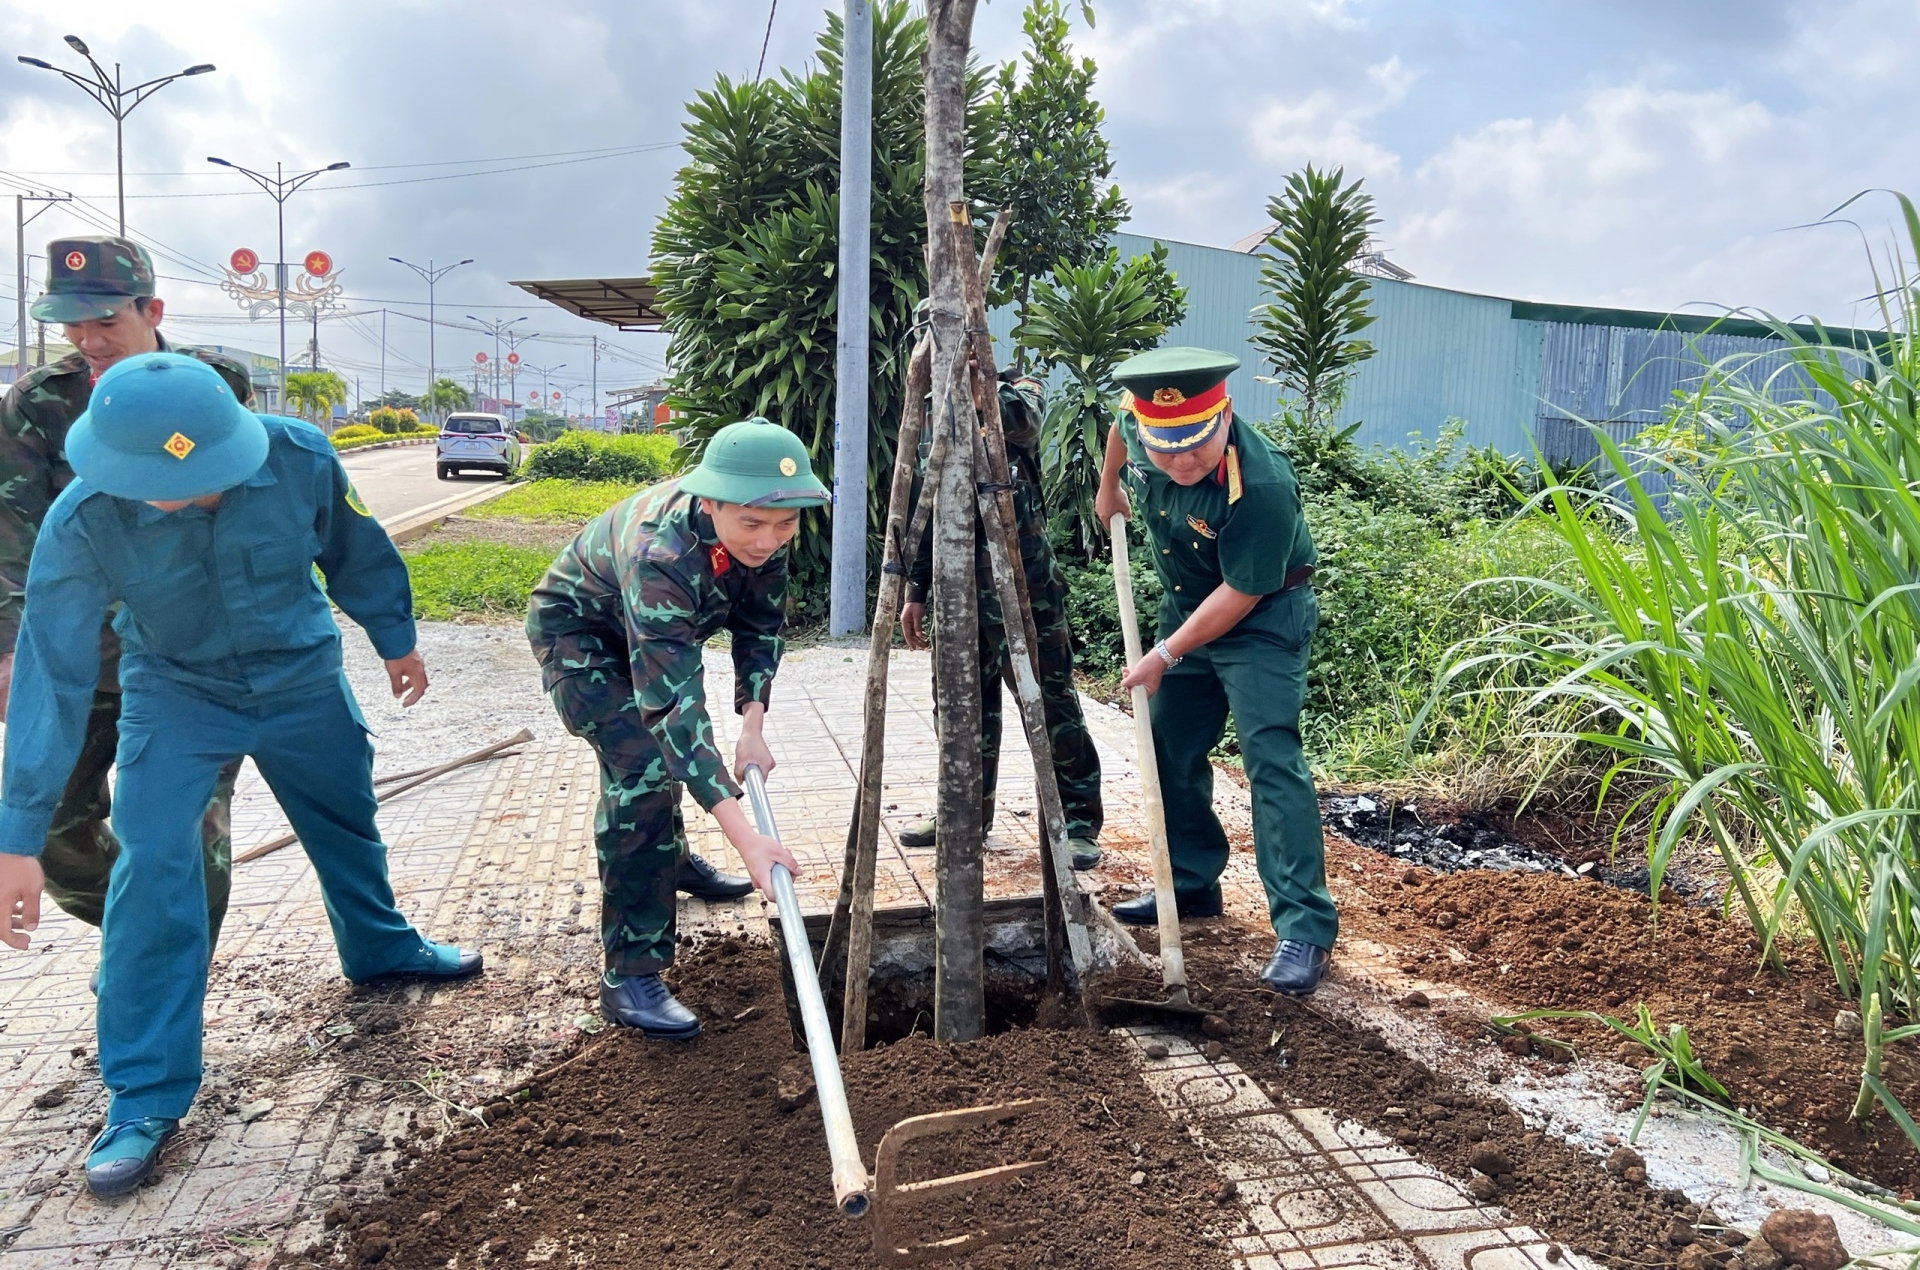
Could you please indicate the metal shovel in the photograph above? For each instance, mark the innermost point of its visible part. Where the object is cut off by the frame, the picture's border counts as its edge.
(1173, 963)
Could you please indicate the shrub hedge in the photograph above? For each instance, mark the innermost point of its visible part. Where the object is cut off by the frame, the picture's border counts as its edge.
(595, 456)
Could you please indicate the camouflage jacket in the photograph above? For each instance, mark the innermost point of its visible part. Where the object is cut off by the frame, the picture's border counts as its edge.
(642, 588)
(34, 419)
(1021, 411)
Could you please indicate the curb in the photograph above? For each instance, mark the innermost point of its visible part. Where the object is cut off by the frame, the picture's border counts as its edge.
(417, 522)
(384, 445)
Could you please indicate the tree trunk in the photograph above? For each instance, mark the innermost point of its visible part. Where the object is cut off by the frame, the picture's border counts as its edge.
(959, 992)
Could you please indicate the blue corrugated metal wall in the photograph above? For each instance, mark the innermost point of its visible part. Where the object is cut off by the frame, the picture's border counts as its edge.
(1443, 355)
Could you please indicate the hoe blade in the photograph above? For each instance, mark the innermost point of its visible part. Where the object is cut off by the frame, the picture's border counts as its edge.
(892, 1197)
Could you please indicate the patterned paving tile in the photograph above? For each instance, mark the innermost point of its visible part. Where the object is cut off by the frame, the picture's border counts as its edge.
(1315, 1192)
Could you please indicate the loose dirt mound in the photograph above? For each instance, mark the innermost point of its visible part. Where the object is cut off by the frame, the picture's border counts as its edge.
(647, 1154)
(1539, 941)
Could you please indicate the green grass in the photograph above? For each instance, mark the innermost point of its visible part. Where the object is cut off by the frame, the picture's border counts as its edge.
(460, 578)
(554, 502)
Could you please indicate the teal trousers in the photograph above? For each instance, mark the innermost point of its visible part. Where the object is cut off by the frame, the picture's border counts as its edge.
(1256, 672)
(154, 948)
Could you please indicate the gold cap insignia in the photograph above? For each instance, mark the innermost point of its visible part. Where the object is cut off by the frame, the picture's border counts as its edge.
(1168, 396)
(788, 467)
(178, 446)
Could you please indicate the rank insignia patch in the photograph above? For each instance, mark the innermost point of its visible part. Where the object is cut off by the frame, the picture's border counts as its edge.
(356, 502)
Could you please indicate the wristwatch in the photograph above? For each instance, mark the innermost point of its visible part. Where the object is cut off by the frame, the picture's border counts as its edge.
(1167, 656)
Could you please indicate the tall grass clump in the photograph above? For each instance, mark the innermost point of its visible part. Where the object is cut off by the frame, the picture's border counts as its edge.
(1746, 647)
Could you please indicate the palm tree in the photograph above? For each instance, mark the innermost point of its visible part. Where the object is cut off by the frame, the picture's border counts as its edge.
(314, 393)
(448, 395)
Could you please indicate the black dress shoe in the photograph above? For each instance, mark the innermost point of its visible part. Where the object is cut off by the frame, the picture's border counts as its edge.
(702, 881)
(643, 1001)
(1143, 911)
(1296, 968)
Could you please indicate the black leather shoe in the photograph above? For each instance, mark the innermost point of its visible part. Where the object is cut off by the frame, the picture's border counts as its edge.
(1143, 912)
(702, 881)
(1296, 968)
(643, 1001)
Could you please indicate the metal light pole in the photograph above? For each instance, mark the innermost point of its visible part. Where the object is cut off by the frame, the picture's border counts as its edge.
(545, 373)
(496, 329)
(280, 188)
(116, 101)
(847, 580)
(20, 222)
(432, 278)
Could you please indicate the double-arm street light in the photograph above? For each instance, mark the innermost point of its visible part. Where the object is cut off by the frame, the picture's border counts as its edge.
(281, 186)
(115, 100)
(545, 372)
(431, 276)
(496, 329)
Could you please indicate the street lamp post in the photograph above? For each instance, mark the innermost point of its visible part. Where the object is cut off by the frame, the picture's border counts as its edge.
(496, 329)
(116, 101)
(280, 188)
(431, 276)
(545, 373)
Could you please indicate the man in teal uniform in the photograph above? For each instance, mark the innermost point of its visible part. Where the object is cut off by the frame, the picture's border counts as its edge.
(617, 626)
(1222, 515)
(205, 522)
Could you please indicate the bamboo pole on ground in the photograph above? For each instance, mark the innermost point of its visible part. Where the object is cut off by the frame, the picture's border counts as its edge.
(1065, 909)
(959, 977)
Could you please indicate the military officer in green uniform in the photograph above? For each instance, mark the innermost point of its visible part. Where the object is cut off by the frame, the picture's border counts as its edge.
(1221, 510)
(101, 290)
(1076, 763)
(617, 626)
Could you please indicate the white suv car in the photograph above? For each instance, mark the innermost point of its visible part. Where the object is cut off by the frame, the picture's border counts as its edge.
(477, 441)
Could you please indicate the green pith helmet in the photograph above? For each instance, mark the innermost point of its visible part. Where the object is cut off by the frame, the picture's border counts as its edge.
(88, 278)
(759, 464)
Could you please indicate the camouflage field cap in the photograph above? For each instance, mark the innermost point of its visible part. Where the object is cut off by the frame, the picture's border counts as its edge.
(161, 427)
(759, 464)
(88, 278)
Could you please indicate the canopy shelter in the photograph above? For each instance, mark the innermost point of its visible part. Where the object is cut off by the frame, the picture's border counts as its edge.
(626, 303)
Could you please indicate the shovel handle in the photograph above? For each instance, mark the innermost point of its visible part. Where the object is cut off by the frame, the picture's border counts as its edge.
(1173, 962)
(852, 1187)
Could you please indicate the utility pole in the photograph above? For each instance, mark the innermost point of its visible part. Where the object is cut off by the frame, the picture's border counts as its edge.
(114, 99)
(432, 278)
(847, 589)
(959, 984)
(383, 352)
(280, 188)
(20, 222)
(595, 409)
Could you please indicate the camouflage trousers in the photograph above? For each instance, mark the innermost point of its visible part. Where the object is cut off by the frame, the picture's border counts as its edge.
(1076, 763)
(80, 849)
(638, 833)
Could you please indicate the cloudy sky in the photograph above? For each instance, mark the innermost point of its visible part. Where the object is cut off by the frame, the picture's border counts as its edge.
(1646, 153)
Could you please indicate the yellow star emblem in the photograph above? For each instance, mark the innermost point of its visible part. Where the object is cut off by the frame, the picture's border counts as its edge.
(178, 446)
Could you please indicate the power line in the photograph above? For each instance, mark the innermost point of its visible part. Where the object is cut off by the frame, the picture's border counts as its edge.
(765, 40)
(394, 167)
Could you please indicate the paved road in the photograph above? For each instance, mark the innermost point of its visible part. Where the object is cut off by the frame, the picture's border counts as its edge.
(401, 480)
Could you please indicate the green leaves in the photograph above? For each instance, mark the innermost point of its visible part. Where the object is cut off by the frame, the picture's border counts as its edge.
(1307, 333)
(315, 392)
(1086, 320)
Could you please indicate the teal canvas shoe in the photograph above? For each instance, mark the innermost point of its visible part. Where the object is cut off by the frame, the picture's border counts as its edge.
(433, 961)
(124, 1155)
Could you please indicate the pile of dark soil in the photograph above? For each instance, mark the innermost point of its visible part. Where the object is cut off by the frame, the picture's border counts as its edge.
(711, 1154)
(1540, 941)
(1606, 1213)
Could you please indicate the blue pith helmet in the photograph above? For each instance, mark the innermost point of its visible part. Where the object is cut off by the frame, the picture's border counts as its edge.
(160, 428)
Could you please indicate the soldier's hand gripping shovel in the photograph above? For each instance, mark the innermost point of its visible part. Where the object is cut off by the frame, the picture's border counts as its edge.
(1173, 964)
(853, 1189)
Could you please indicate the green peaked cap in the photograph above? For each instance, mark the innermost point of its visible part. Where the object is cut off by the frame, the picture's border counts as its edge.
(757, 463)
(1176, 394)
(1189, 371)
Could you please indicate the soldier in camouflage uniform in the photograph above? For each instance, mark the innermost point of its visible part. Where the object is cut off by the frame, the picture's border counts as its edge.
(617, 626)
(1076, 764)
(101, 289)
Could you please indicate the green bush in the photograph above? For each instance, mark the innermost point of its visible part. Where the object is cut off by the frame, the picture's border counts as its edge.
(595, 456)
(393, 421)
(488, 578)
(357, 432)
